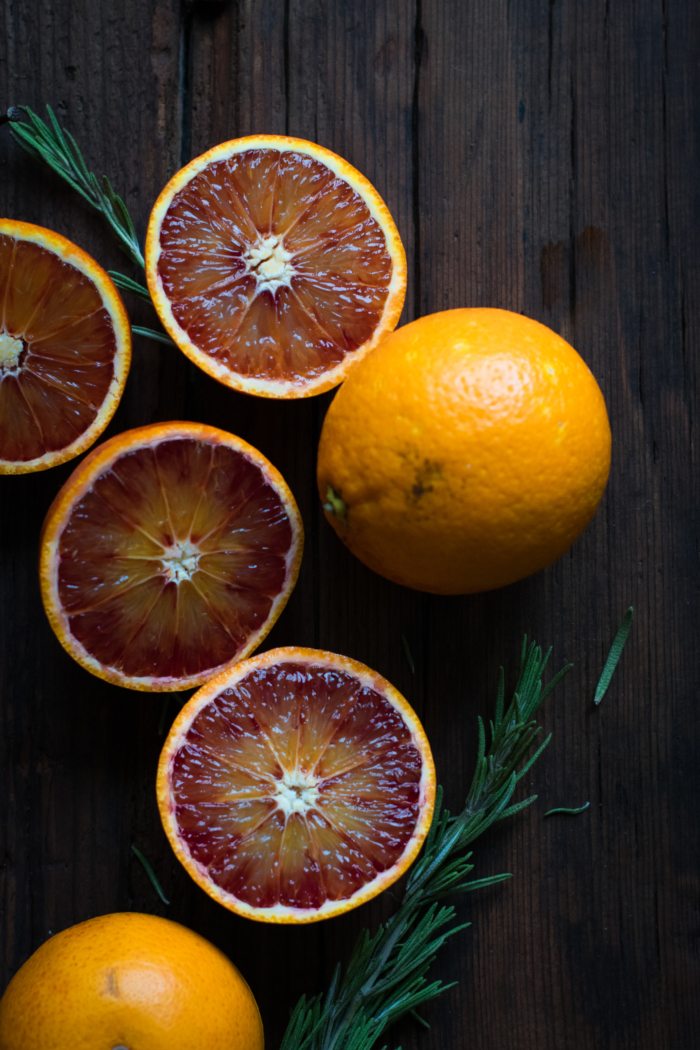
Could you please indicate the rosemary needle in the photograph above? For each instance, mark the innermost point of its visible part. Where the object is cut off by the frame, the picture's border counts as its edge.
(409, 655)
(151, 874)
(157, 337)
(127, 285)
(614, 655)
(421, 1020)
(569, 812)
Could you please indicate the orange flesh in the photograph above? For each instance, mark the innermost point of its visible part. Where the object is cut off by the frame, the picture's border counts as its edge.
(313, 289)
(173, 559)
(53, 391)
(297, 786)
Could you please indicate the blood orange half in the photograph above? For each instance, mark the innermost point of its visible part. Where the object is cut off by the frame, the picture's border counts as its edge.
(168, 555)
(274, 265)
(65, 348)
(296, 786)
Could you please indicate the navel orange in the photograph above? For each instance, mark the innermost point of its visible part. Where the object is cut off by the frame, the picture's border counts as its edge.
(465, 452)
(168, 555)
(129, 982)
(274, 265)
(296, 786)
(65, 348)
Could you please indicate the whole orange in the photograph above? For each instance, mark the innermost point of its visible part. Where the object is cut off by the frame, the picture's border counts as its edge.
(133, 982)
(468, 450)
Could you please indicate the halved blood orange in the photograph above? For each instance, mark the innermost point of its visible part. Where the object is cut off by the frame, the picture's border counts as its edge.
(168, 555)
(65, 348)
(274, 265)
(296, 786)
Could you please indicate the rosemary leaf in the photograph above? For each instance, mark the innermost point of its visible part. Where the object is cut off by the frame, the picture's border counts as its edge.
(386, 976)
(614, 655)
(565, 809)
(421, 1020)
(151, 874)
(127, 285)
(409, 655)
(157, 337)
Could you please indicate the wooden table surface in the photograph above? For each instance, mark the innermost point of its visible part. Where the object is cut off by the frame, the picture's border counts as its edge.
(537, 155)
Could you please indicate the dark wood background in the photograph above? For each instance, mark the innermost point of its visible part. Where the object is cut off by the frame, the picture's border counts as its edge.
(538, 155)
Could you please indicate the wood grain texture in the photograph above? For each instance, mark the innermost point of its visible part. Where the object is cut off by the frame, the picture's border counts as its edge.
(538, 156)
(72, 757)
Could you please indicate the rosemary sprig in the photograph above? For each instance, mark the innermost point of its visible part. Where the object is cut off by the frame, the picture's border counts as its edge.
(386, 975)
(57, 148)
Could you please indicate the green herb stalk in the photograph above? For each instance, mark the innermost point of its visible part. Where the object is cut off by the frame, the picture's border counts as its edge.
(386, 976)
(51, 145)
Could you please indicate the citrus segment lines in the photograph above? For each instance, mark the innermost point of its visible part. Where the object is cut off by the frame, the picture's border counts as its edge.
(274, 265)
(296, 786)
(168, 555)
(65, 348)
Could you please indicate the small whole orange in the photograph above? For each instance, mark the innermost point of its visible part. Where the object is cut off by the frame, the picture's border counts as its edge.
(129, 982)
(468, 450)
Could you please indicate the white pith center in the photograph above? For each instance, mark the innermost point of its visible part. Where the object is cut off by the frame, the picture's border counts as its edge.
(10, 350)
(296, 793)
(180, 561)
(270, 262)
